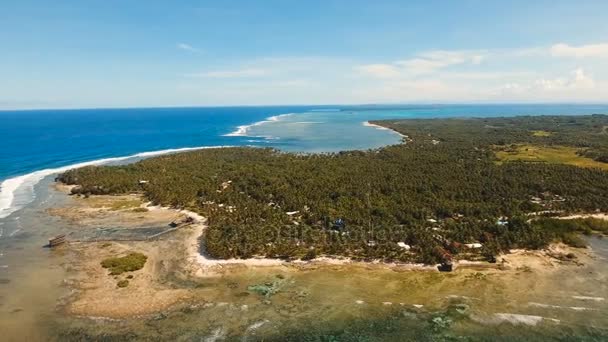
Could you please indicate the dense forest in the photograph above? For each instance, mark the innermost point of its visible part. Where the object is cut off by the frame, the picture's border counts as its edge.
(439, 190)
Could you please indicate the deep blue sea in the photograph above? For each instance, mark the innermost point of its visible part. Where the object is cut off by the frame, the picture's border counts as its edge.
(38, 143)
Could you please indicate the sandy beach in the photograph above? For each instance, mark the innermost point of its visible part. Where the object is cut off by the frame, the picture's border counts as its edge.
(368, 124)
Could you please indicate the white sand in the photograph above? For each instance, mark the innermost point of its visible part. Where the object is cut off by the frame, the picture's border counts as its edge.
(601, 216)
(368, 124)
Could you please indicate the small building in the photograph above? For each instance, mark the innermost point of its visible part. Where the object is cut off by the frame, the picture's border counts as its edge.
(502, 221)
(473, 245)
(142, 182)
(371, 243)
(403, 245)
(338, 225)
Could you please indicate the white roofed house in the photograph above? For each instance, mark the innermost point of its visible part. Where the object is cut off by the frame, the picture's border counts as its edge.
(403, 245)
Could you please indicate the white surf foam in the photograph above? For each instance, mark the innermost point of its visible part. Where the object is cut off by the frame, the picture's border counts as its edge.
(514, 319)
(595, 299)
(550, 306)
(368, 124)
(18, 191)
(243, 131)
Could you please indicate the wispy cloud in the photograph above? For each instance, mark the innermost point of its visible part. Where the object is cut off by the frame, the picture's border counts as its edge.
(188, 47)
(423, 63)
(434, 60)
(230, 73)
(591, 50)
(510, 74)
(379, 70)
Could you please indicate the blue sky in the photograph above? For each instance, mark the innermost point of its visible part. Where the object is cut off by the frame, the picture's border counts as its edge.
(187, 53)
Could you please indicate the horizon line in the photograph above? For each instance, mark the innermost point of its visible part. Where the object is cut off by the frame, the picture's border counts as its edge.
(447, 103)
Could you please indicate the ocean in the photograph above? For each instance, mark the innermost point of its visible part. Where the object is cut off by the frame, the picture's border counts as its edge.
(40, 143)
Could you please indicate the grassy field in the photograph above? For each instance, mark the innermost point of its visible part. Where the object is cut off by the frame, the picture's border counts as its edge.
(541, 133)
(548, 154)
(115, 202)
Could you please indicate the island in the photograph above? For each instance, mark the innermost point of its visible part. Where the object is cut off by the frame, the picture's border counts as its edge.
(474, 187)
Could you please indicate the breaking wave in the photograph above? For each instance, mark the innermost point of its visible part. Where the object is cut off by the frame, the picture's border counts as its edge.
(18, 191)
(243, 131)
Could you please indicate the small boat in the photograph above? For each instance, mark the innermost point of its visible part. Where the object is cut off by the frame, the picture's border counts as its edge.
(57, 240)
(183, 222)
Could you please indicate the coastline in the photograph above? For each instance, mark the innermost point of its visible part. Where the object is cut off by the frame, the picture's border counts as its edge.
(207, 266)
(9, 187)
(177, 278)
(382, 128)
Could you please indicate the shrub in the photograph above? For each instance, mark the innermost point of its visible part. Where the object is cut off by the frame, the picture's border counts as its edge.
(310, 255)
(131, 262)
(573, 240)
(123, 283)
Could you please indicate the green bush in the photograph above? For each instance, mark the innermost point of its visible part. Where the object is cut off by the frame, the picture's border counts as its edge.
(131, 262)
(123, 283)
(574, 240)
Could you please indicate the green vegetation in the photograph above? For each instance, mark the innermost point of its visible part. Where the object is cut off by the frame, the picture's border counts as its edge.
(131, 262)
(547, 154)
(541, 133)
(269, 288)
(122, 283)
(567, 231)
(443, 188)
(113, 203)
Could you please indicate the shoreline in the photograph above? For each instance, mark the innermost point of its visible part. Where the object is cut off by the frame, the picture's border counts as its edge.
(177, 256)
(193, 246)
(202, 266)
(9, 186)
(382, 128)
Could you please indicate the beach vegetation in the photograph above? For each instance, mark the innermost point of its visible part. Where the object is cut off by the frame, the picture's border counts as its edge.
(129, 263)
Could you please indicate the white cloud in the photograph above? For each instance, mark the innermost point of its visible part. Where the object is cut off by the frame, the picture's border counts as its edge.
(379, 70)
(578, 80)
(590, 50)
(188, 47)
(424, 63)
(512, 75)
(432, 61)
(230, 73)
(577, 86)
